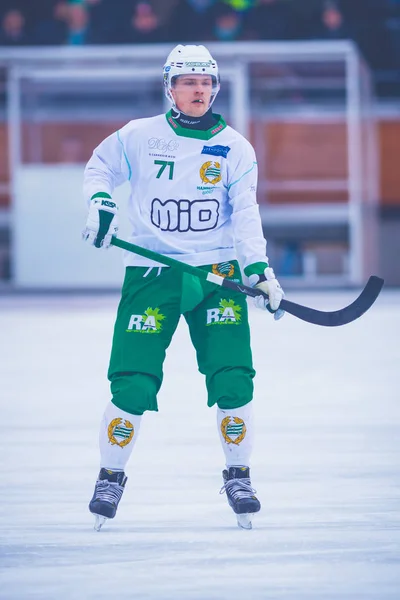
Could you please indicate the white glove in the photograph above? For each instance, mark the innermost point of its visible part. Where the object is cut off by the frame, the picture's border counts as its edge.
(268, 284)
(102, 221)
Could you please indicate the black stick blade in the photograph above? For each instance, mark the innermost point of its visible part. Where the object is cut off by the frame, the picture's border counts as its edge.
(338, 317)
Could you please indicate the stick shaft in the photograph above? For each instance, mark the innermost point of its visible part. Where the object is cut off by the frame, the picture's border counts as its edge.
(310, 315)
(165, 260)
(185, 268)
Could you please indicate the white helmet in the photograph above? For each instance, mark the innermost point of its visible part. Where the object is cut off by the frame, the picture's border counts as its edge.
(190, 60)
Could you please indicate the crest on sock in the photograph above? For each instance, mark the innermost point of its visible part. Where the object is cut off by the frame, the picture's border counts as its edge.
(120, 432)
(233, 429)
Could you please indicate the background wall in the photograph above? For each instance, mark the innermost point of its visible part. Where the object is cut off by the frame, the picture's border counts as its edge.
(58, 190)
(49, 215)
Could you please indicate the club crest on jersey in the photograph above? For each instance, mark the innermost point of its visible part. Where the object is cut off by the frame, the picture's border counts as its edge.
(224, 269)
(233, 430)
(216, 150)
(227, 313)
(210, 172)
(120, 432)
(149, 322)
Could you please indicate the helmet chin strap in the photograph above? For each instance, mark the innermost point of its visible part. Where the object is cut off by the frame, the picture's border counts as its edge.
(176, 110)
(180, 112)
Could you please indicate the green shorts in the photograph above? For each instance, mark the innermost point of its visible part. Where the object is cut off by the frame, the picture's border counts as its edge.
(151, 305)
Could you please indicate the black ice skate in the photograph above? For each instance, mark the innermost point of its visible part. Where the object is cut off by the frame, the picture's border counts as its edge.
(240, 494)
(107, 494)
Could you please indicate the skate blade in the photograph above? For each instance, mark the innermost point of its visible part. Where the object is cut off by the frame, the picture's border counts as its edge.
(244, 520)
(99, 522)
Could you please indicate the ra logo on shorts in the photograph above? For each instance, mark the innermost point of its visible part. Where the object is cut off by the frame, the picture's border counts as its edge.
(210, 172)
(149, 322)
(233, 430)
(228, 313)
(120, 434)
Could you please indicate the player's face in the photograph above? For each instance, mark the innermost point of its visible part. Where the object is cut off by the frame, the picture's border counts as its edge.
(192, 94)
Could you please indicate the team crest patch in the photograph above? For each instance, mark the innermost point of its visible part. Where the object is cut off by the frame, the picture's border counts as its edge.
(233, 430)
(216, 150)
(224, 269)
(120, 432)
(210, 172)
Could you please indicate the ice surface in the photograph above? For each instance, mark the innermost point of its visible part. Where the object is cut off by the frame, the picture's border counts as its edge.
(325, 464)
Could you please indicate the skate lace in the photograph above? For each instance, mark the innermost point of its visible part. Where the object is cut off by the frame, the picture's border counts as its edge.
(107, 491)
(238, 488)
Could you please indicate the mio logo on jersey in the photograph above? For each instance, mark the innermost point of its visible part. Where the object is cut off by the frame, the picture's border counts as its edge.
(216, 150)
(149, 322)
(228, 313)
(185, 215)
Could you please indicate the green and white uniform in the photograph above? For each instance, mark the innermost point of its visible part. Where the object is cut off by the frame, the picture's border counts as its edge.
(193, 198)
(193, 193)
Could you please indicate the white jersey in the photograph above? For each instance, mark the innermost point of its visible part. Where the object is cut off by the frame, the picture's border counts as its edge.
(193, 193)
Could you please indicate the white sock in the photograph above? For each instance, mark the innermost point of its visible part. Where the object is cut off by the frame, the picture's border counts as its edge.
(118, 434)
(236, 433)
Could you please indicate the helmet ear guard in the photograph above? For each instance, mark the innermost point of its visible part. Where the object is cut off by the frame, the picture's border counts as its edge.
(190, 60)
